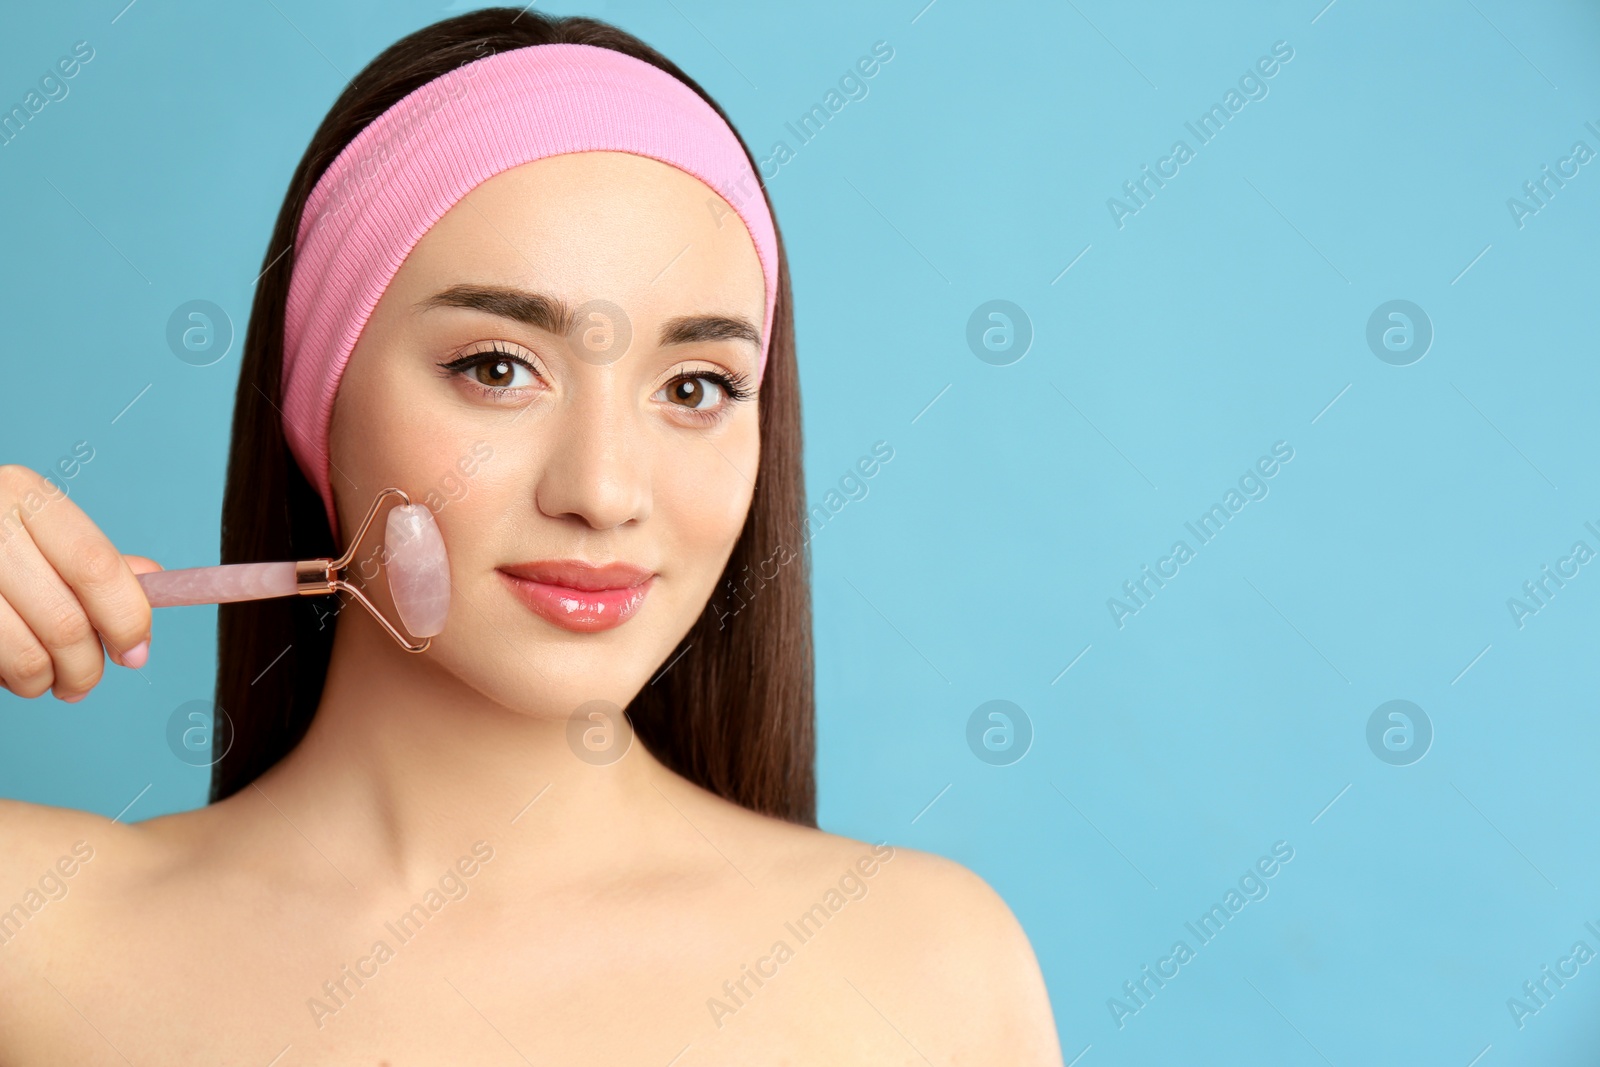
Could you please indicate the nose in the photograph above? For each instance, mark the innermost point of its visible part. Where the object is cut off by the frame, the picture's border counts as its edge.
(597, 468)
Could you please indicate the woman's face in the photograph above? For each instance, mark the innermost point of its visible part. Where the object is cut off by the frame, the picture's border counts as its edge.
(610, 438)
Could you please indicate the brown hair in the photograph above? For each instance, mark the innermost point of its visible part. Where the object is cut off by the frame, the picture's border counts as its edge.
(735, 715)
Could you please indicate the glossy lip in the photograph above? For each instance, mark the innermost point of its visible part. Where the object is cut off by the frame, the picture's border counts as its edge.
(577, 595)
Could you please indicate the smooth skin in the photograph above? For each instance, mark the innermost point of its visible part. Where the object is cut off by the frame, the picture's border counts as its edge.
(570, 913)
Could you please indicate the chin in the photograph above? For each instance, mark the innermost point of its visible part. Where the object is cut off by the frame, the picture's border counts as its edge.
(534, 667)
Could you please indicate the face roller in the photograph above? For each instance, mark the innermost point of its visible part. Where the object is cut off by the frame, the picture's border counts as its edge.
(418, 573)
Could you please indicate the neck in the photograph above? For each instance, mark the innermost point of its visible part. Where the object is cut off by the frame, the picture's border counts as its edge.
(404, 768)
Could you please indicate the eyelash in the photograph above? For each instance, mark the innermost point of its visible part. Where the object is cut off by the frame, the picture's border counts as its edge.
(735, 387)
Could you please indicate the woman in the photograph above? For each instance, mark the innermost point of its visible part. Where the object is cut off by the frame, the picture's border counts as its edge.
(585, 364)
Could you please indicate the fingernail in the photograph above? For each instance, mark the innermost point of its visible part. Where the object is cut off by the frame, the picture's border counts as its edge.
(74, 700)
(136, 656)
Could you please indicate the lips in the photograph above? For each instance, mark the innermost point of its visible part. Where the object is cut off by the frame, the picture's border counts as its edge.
(579, 596)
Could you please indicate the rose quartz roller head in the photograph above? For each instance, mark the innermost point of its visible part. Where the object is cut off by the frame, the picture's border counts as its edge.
(418, 572)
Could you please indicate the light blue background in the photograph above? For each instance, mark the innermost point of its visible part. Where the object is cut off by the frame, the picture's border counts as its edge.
(1223, 317)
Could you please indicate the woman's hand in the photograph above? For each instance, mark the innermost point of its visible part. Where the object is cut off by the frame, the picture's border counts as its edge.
(64, 588)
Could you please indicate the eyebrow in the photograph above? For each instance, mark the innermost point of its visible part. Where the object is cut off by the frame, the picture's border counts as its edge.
(554, 315)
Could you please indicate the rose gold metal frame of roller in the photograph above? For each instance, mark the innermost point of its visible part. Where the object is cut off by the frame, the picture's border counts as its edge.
(317, 577)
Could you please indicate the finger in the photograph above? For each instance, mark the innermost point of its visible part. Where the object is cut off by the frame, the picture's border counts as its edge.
(99, 578)
(25, 666)
(139, 565)
(52, 614)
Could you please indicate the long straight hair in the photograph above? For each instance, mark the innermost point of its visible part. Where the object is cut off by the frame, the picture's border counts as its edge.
(735, 714)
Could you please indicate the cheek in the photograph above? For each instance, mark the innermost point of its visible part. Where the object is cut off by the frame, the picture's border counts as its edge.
(707, 496)
(380, 436)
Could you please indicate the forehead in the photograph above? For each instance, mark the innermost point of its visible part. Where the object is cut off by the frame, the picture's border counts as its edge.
(597, 225)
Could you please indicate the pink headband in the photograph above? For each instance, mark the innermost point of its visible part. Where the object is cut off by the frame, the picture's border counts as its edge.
(416, 160)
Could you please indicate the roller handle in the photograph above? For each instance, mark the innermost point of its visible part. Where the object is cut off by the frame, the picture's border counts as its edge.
(218, 585)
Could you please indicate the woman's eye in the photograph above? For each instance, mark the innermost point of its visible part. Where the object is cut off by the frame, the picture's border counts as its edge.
(695, 393)
(493, 371)
(500, 372)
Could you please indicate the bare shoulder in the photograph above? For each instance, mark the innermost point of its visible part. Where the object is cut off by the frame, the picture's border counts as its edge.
(32, 835)
(943, 931)
(38, 838)
(48, 854)
(924, 940)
